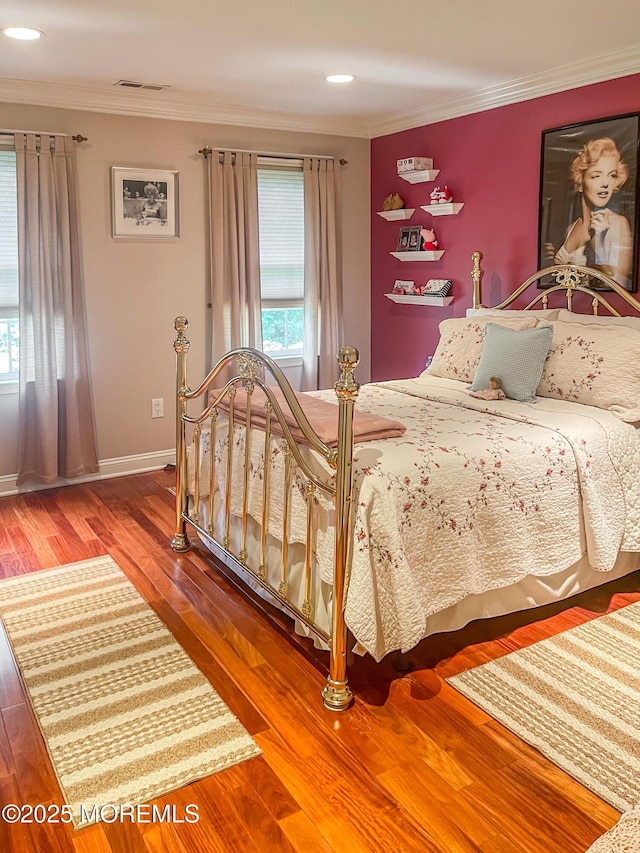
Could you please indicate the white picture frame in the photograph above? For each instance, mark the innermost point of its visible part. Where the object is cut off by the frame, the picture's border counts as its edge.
(144, 204)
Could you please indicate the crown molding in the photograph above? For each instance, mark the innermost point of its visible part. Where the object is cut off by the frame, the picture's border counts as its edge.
(583, 73)
(163, 106)
(185, 108)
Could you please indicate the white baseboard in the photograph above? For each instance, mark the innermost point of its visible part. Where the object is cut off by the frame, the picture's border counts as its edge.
(108, 468)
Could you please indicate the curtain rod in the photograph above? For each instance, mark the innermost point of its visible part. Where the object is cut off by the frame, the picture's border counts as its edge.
(208, 150)
(77, 138)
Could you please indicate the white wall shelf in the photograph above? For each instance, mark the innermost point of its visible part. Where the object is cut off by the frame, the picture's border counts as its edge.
(406, 299)
(392, 215)
(420, 176)
(418, 256)
(448, 209)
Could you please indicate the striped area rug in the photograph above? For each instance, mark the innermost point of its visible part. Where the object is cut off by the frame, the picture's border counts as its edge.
(125, 714)
(576, 698)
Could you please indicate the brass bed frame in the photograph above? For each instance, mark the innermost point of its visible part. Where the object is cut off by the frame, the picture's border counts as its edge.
(251, 366)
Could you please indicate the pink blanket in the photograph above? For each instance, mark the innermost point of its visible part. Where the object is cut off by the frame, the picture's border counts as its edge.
(321, 414)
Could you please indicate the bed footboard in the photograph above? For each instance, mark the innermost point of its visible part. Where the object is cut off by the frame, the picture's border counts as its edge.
(233, 477)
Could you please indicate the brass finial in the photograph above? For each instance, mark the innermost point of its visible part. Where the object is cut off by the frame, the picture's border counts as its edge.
(348, 355)
(348, 359)
(181, 344)
(476, 275)
(180, 324)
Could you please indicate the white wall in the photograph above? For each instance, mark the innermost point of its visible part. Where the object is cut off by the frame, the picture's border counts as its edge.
(134, 290)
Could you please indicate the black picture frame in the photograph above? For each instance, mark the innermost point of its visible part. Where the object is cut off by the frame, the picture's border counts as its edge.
(415, 241)
(589, 197)
(403, 239)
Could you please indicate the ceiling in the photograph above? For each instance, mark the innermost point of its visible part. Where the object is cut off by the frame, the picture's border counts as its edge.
(263, 64)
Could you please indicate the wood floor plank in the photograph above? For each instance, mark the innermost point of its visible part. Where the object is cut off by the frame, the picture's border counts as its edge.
(452, 824)
(303, 835)
(500, 844)
(91, 839)
(33, 771)
(358, 815)
(531, 762)
(7, 765)
(218, 827)
(123, 836)
(162, 837)
(252, 813)
(11, 688)
(271, 790)
(411, 766)
(527, 822)
(8, 521)
(14, 837)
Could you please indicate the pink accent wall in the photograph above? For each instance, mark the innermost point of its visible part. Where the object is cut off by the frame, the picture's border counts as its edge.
(491, 162)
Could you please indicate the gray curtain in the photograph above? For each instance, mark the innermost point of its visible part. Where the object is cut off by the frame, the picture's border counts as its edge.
(56, 436)
(235, 253)
(322, 283)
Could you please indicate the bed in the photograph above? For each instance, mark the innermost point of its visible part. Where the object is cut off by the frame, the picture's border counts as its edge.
(387, 513)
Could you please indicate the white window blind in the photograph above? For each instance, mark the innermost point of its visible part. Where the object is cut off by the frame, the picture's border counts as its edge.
(8, 235)
(281, 216)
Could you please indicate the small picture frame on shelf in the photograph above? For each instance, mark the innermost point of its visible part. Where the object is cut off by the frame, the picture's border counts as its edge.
(403, 239)
(437, 287)
(401, 286)
(413, 164)
(415, 239)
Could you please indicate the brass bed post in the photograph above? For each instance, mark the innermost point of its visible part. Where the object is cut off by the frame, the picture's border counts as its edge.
(336, 693)
(180, 541)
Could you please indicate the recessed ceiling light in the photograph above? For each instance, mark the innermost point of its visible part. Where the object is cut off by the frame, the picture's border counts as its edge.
(22, 33)
(339, 78)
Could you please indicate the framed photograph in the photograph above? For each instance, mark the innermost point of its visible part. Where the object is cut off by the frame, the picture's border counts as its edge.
(437, 287)
(415, 238)
(401, 286)
(403, 239)
(144, 203)
(589, 198)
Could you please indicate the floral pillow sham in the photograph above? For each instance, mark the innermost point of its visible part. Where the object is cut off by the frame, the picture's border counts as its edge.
(596, 365)
(459, 349)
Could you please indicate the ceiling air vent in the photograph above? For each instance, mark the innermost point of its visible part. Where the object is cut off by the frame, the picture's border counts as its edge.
(132, 84)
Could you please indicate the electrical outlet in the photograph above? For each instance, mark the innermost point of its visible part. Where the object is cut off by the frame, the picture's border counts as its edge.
(157, 408)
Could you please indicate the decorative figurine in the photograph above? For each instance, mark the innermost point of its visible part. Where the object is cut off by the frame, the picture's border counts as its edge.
(441, 195)
(429, 242)
(493, 392)
(393, 202)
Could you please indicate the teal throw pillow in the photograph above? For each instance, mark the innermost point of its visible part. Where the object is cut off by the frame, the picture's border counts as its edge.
(514, 356)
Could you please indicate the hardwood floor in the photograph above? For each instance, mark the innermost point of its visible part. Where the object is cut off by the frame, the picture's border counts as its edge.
(412, 766)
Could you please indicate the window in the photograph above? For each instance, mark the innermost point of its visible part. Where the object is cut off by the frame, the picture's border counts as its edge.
(9, 331)
(281, 225)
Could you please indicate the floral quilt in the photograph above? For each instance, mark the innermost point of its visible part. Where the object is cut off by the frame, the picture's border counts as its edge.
(474, 496)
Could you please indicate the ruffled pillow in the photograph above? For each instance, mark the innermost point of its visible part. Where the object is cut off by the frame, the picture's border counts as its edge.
(565, 316)
(538, 313)
(597, 365)
(461, 340)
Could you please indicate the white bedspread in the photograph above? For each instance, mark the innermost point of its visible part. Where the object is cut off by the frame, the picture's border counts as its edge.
(473, 497)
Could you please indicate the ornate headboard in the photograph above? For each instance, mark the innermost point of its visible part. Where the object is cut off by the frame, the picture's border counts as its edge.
(570, 278)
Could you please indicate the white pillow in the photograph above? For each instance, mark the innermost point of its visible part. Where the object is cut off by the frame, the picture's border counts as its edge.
(600, 320)
(597, 365)
(540, 313)
(460, 346)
